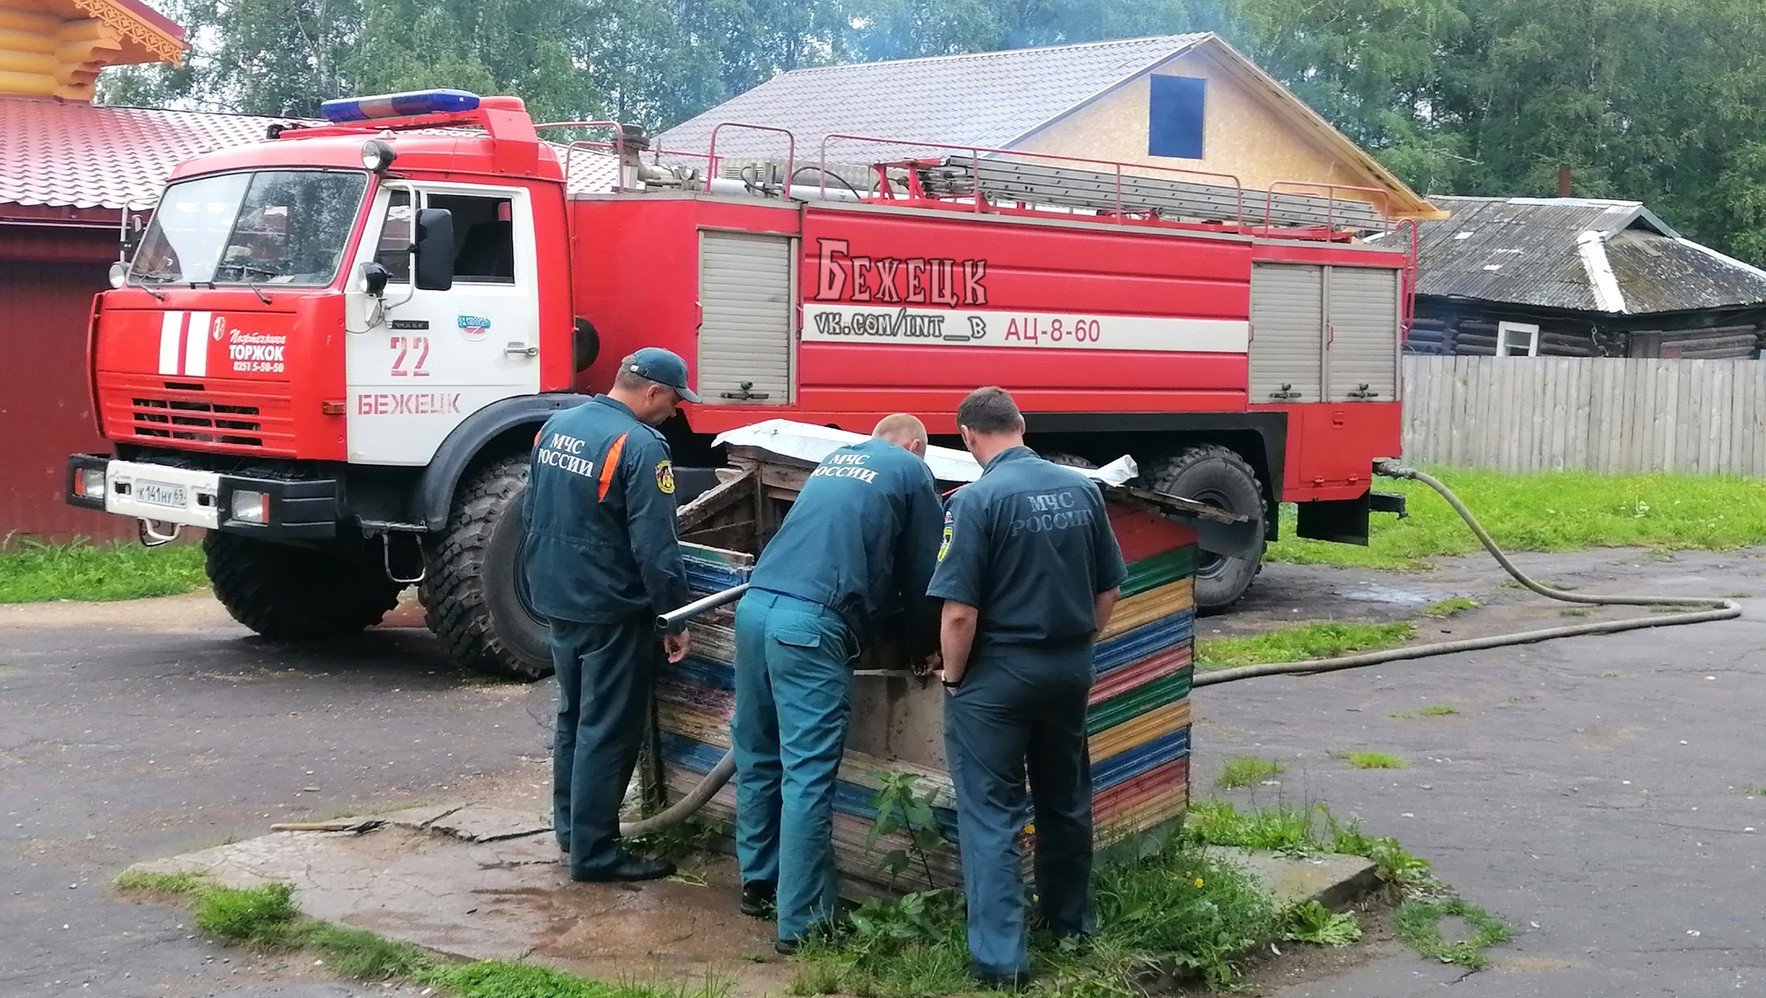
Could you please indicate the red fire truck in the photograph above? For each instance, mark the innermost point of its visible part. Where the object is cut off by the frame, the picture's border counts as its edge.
(332, 349)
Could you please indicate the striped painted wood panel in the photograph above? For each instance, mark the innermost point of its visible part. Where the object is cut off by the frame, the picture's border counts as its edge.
(1138, 721)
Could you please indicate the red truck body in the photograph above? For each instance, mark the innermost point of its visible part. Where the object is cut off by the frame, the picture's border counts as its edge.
(281, 374)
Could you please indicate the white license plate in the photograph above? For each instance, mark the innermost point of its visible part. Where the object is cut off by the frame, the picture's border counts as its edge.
(159, 494)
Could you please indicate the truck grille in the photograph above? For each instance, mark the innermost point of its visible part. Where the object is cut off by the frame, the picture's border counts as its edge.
(205, 415)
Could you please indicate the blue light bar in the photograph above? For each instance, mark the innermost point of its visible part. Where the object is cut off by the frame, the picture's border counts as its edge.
(406, 105)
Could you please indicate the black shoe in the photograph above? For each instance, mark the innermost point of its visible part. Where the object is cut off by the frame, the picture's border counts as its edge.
(1000, 982)
(627, 869)
(785, 947)
(759, 898)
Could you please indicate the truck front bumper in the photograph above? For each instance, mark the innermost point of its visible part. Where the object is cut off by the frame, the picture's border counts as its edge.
(274, 509)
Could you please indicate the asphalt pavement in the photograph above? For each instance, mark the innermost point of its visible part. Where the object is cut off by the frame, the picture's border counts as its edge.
(1591, 792)
(140, 730)
(1594, 792)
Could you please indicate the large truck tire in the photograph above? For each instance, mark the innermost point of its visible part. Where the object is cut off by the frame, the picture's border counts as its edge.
(288, 592)
(474, 592)
(1220, 477)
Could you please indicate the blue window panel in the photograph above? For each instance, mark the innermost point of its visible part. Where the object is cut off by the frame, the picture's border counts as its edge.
(1174, 121)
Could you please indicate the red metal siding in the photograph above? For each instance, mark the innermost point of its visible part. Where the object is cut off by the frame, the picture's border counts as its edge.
(45, 403)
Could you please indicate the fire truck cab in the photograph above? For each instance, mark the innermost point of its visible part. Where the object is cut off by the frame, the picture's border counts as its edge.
(332, 349)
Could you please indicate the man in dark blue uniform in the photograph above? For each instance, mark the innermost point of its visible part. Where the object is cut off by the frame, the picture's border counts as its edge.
(859, 541)
(602, 562)
(1029, 571)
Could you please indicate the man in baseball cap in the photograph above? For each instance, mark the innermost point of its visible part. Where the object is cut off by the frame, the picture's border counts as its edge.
(603, 561)
(665, 367)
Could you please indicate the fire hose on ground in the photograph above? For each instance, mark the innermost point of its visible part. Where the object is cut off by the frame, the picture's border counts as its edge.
(1701, 609)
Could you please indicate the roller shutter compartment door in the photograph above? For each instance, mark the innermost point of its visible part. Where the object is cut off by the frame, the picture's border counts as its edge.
(745, 319)
(1363, 350)
(1287, 333)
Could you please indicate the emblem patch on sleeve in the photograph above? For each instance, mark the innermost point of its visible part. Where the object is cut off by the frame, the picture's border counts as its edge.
(949, 528)
(665, 478)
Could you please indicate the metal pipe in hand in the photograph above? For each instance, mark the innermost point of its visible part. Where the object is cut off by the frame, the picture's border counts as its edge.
(675, 618)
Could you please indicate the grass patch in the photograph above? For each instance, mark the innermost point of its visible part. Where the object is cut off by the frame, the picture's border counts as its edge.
(1449, 607)
(1277, 829)
(1759, 791)
(1325, 639)
(1556, 511)
(1314, 923)
(264, 915)
(1371, 760)
(1419, 925)
(267, 917)
(34, 572)
(1178, 910)
(502, 979)
(672, 843)
(1244, 770)
(1305, 832)
(1576, 611)
(162, 883)
(1433, 711)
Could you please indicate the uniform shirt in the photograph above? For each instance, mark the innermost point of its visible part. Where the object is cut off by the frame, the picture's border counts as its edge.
(1029, 545)
(861, 540)
(600, 512)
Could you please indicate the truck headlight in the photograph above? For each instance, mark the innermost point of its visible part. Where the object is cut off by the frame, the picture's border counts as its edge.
(89, 482)
(250, 506)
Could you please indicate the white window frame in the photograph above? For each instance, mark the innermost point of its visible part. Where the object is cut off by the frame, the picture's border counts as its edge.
(1504, 328)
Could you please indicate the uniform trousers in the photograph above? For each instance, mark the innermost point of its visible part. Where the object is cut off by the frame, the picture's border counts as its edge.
(793, 702)
(1019, 713)
(605, 676)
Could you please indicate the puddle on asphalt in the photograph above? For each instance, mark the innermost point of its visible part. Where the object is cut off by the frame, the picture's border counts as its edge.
(1389, 595)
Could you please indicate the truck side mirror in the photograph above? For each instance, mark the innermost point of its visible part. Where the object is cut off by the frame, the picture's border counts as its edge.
(434, 250)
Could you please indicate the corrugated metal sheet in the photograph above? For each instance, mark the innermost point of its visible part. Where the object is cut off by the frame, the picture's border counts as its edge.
(1520, 250)
(986, 99)
(1660, 274)
(1524, 251)
(45, 405)
(76, 155)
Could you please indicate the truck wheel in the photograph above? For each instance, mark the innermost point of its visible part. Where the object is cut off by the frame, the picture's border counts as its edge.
(288, 592)
(475, 593)
(1220, 477)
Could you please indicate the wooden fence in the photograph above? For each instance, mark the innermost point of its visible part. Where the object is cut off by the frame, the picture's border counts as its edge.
(1596, 414)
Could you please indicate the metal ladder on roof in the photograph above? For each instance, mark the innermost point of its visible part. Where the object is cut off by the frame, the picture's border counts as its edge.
(1108, 191)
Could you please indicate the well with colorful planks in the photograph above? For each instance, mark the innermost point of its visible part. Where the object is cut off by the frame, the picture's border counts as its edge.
(1139, 719)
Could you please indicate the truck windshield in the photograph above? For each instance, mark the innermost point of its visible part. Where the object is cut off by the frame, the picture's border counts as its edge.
(274, 227)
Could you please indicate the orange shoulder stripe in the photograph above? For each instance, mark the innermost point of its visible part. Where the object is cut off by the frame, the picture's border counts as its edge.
(610, 466)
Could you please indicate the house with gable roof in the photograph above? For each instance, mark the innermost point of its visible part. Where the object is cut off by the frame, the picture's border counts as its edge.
(1186, 102)
(1579, 277)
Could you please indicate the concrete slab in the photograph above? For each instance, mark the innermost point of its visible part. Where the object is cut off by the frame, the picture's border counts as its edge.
(486, 883)
(489, 824)
(481, 883)
(1333, 881)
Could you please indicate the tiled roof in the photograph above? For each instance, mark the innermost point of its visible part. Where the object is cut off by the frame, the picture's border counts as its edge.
(986, 99)
(68, 154)
(1581, 254)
